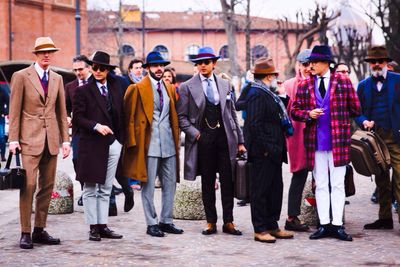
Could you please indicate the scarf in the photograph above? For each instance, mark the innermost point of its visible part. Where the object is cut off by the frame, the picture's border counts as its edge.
(283, 115)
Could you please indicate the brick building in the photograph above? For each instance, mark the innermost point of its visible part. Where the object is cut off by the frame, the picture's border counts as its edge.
(33, 18)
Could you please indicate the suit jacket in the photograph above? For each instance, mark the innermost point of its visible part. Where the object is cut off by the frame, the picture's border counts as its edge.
(70, 89)
(138, 107)
(191, 106)
(89, 108)
(364, 92)
(344, 104)
(35, 118)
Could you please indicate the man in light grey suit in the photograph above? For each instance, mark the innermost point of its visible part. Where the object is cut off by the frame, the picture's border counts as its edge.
(153, 142)
(213, 137)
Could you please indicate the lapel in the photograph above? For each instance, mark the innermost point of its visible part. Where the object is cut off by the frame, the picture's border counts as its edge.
(369, 86)
(311, 89)
(94, 90)
(51, 86)
(390, 87)
(147, 97)
(196, 90)
(333, 81)
(34, 78)
(163, 113)
(223, 89)
(115, 96)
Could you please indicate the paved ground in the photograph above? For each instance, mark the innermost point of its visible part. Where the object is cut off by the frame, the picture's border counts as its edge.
(374, 248)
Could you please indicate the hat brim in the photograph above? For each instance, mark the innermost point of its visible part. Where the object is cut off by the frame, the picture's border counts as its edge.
(368, 59)
(90, 62)
(46, 50)
(204, 58)
(320, 59)
(164, 62)
(254, 71)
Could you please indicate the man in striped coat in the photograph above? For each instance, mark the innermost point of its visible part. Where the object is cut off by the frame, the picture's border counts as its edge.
(326, 102)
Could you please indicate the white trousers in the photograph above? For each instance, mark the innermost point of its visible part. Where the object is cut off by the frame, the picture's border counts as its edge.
(323, 169)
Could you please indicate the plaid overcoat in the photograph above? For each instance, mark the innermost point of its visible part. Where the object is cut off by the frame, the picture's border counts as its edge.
(344, 104)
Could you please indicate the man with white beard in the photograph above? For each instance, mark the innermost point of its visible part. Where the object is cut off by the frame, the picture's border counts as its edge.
(379, 95)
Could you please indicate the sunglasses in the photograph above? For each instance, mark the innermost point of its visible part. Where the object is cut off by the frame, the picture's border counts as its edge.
(78, 69)
(205, 62)
(97, 67)
(305, 64)
(374, 61)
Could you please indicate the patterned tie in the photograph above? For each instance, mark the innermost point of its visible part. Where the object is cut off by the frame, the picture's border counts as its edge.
(161, 95)
(104, 91)
(321, 88)
(84, 82)
(45, 81)
(210, 92)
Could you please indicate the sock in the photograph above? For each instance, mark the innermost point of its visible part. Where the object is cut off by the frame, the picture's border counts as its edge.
(38, 229)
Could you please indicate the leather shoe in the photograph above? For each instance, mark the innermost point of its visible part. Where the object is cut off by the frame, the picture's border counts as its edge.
(296, 225)
(264, 237)
(26, 241)
(116, 190)
(169, 228)
(154, 230)
(380, 224)
(44, 238)
(229, 228)
(108, 233)
(323, 231)
(94, 235)
(80, 201)
(339, 233)
(129, 200)
(112, 210)
(281, 234)
(210, 229)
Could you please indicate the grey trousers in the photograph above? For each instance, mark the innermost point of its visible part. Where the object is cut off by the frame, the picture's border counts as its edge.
(96, 197)
(165, 168)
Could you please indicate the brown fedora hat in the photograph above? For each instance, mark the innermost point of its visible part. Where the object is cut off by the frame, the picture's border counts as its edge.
(377, 52)
(264, 65)
(44, 44)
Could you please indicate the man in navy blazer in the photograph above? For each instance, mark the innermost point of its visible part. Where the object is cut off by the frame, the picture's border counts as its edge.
(379, 95)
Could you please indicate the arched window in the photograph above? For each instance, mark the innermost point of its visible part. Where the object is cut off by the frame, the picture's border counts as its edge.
(224, 52)
(191, 51)
(163, 51)
(128, 50)
(258, 51)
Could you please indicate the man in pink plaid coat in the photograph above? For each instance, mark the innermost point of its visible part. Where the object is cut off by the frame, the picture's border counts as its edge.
(326, 101)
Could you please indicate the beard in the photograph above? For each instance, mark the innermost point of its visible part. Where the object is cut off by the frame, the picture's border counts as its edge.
(377, 71)
(153, 75)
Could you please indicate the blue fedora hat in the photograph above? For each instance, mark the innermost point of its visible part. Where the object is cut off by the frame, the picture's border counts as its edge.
(205, 52)
(321, 53)
(154, 57)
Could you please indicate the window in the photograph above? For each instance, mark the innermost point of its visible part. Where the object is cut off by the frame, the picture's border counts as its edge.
(224, 52)
(191, 51)
(163, 51)
(128, 50)
(258, 51)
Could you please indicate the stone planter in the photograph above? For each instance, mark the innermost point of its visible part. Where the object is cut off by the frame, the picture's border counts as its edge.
(188, 202)
(62, 198)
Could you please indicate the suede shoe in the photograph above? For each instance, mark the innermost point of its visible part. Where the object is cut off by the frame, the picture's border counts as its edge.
(296, 225)
(380, 224)
(170, 228)
(229, 228)
(154, 230)
(94, 235)
(108, 233)
(210, 229)
(281, 234)
(26, 241)
(264, 237)
(44, 238)
(323, 231)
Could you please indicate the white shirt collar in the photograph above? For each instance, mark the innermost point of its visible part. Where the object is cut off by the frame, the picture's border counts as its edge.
(40, 71)
(203, 78)
(99, 85)
(327, 75)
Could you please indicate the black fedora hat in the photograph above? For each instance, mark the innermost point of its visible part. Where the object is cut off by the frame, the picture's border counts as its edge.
(155, 57)
(321, 53)
(101, 58)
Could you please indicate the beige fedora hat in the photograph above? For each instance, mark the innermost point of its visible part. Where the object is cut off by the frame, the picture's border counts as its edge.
(43, 44)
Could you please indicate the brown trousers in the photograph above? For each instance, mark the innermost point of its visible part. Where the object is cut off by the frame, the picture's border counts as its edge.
(44, 164)
(383, 181)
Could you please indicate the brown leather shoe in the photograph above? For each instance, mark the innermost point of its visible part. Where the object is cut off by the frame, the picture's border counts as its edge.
(229, 228)
(264, 237)
(210, 229)
(281, 234)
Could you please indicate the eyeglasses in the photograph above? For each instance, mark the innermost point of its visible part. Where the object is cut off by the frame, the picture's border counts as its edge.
(205, 62)
(374, 61)
(97, 67)
(305, 64)
(78, 69)
(344, 71)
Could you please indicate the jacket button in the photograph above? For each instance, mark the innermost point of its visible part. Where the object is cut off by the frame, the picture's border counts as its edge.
(44, 126)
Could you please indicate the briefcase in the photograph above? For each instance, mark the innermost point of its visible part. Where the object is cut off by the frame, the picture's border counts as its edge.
(242, 178)
(349, 187)
(14, 178)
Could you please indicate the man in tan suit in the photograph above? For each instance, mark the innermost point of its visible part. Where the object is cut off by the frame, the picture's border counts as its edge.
(38, 124)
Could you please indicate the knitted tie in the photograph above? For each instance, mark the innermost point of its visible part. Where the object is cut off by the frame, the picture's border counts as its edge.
(321, 88)
(161, 95)
(210, 92)
(104, 91)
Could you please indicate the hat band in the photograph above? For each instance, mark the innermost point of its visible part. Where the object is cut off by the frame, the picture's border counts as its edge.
(205, 55)
(319, 55)
(265, 70)
(43, 46)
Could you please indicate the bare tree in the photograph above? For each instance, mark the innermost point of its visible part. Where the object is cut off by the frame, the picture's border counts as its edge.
(247, 35)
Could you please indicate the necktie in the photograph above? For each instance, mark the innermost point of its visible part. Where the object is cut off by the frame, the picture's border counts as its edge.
(84, 82)
(161, 95)
(45, 81)
(104, 91)
(210, 92)
(321, 87)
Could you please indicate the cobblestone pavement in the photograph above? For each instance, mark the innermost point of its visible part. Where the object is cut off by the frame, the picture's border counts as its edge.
(369, 248)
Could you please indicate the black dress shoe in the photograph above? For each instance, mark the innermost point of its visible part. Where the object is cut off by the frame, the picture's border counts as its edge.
(323, 231)
(94, 235)
(242, 203)
(26, 241)
(129, 200)
(80, 201)
(339, 233)
(108, 233)
(154, 230)
(296, 225)
(380, 224)
(169, 228)
(44, 238)
(116, 190)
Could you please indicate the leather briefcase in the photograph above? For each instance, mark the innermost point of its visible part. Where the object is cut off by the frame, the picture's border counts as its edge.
(242, 178)
(349, 187)
(14, 178)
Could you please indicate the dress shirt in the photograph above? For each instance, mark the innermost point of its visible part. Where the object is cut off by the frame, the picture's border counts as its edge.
(41, 71)
(213, 84)
(379, 84)
(327, 77)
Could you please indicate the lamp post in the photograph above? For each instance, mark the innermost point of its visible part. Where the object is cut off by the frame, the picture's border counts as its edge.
(78, 27)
